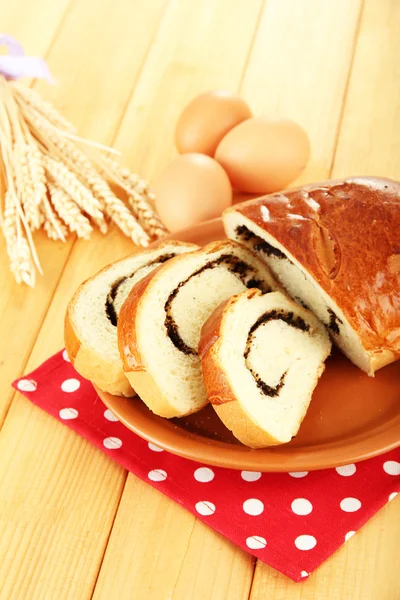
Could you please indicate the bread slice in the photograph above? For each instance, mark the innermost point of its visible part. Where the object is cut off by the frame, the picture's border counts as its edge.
(160, 322)
(92, 315)
(335, 248)
(262, 356)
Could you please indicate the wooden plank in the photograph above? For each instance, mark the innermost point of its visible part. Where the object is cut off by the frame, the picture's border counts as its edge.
(367, 566)
(158, 550)
(369, 141)
(204, 45)
(54, 486)
(299, 68)
(15, 339)
(56, 509)
(23, 19)
(85, 259)
(92, 93)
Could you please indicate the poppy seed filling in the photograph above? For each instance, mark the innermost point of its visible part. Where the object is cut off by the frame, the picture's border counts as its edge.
(111, 312)
(290, 319)
(246, 235)
(334, 321)
(236, 266)
(260, 245)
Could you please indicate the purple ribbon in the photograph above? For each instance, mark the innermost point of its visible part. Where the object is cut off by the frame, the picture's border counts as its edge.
(16, 64)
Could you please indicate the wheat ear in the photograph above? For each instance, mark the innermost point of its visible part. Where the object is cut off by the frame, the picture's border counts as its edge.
(31, 98)
(53, 226)
(24, 183)
(138, 195)
(69, 212)
(81, 195)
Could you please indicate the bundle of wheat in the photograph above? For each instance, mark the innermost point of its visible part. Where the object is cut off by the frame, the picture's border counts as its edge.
(57, 181)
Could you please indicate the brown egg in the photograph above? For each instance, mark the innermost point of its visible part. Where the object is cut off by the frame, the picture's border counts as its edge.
(264, 156)
(206, 119)
(193, 188)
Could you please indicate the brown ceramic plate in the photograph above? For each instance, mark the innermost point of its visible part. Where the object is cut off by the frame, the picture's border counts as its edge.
(351, 417)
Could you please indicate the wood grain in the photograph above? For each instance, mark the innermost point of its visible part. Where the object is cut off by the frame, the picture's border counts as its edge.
(366, 568)
(13, 298)
(200, 46)
(299, 69)
(196, 565)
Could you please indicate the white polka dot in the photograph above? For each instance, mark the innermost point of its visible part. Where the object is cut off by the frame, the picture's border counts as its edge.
(65, 356)
(346, 470)
(391, 467)
(155, 448)
(350, 504)
(205, 508)
(157, 475)
(392, 496)
(304, 574)
(305, 542)
(204, 474)
(251, 475)
(301, 506)
(348, 535)
(298, 474)
(27, 385)
(256, 542)
(253, 507)
(70, 385)
(110, 416)
(68, 413)
(112, 443)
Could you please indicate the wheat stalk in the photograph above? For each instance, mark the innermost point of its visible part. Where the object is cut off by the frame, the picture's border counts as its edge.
(31, 98)
(112, 206)
(69, 212)
(51, 182)
(21, 249)
(37, 173)
(53, 226)
(139, 196)
(146, 215)
(81, 195)
(25, 185)
(18, 249)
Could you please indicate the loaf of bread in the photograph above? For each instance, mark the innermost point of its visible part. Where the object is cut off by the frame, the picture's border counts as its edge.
(160, 322)
(336, 249)
(262, 356)
(92, 315)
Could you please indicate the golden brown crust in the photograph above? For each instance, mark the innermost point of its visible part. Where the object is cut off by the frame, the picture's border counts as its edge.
(346, 235)
(71, 340)
(127, 340)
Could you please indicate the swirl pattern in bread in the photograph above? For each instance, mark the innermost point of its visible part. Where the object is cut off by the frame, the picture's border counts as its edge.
(262, 356)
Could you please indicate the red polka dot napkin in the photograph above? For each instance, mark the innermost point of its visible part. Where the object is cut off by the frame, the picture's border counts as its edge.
(291, 521)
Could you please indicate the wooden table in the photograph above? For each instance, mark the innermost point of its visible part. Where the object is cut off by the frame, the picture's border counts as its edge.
(74, 525)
